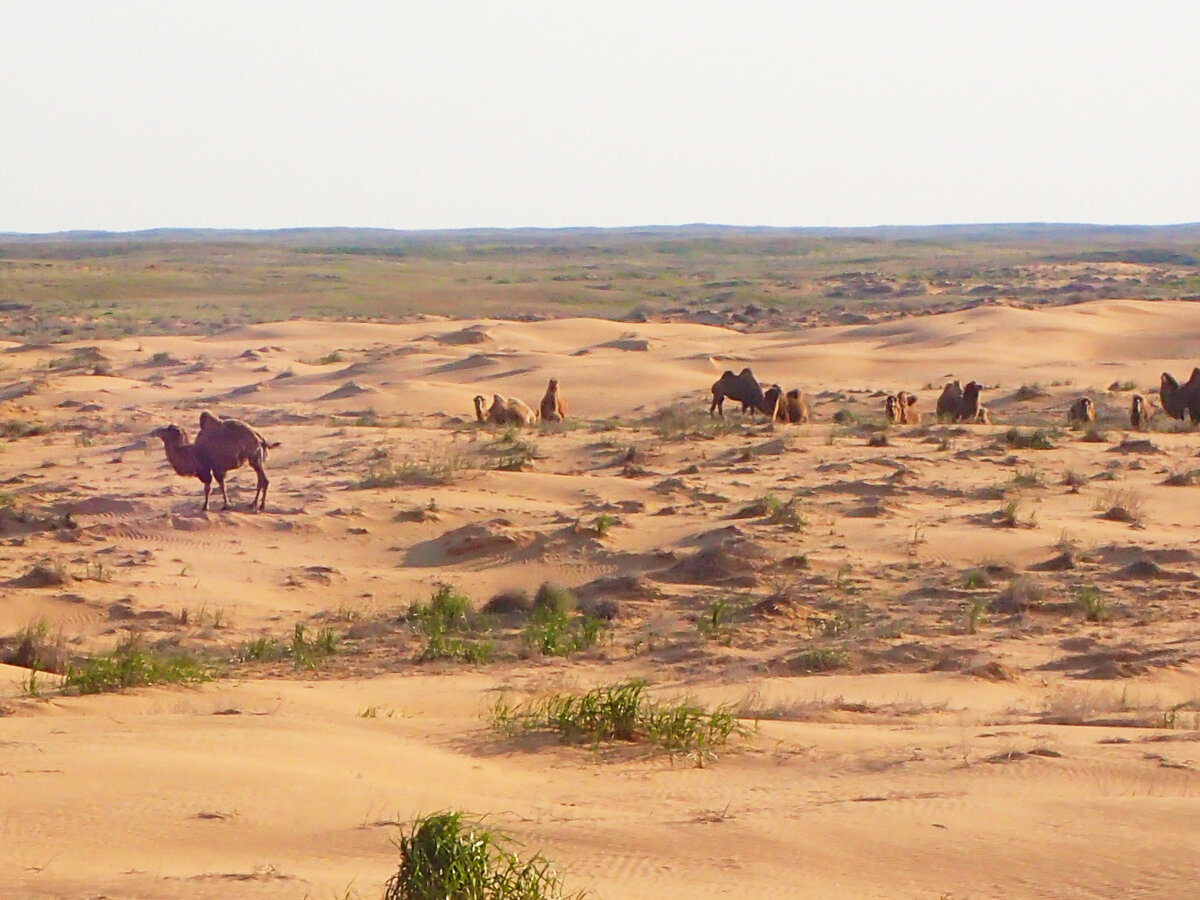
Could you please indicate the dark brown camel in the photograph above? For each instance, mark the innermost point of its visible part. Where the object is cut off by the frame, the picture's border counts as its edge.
(221, 446)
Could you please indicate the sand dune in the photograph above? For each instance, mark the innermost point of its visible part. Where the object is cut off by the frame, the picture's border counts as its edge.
(907, 621)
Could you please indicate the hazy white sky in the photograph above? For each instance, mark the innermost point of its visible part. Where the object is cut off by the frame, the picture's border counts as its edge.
(122, 115)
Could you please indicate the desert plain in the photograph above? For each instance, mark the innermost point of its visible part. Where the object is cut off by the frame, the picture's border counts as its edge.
(964, 656)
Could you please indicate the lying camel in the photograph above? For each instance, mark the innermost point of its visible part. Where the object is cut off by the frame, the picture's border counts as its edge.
(1179, 400)
(950, 400)
(1082, 412)
(961, 404)
(793, 408)
(743, 387)
(554, 407)
(899, 409)
(505, 411)
(221, 446)
(1140, 413)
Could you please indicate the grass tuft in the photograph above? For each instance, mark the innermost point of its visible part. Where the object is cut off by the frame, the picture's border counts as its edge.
(1038, 439)
(1091, 603)
(623, 712)
(443, 856)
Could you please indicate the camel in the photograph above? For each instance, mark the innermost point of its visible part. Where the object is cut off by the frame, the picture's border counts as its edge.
(899, 409)
(795, 407)
(950, 401)
(743, 387)
(969, 409)
(505, 411)
(220, 446)
(1140, 412)
(554, 407)
(1179, 400)
(961, 404)
(1082, 411)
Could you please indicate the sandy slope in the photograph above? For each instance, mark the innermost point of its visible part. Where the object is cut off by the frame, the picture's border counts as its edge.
(901, 774)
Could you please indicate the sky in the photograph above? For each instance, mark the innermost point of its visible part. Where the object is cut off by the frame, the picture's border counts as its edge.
(130, 115)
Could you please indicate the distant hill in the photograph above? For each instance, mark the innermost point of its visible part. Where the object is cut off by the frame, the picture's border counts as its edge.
(369, 238)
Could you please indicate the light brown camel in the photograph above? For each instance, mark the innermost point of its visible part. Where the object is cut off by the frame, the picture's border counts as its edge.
(504, 411)
(1082, 412)
(220, 446)
(899, 409)
(1140, 413)
(553, 407)
(791, 407)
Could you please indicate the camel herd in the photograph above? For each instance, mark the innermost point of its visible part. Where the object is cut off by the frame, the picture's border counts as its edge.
(512, 411)
(957, 403)
(222, 445)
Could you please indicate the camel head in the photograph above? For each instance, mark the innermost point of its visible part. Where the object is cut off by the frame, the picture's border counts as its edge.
(172, 435)
(553, 384)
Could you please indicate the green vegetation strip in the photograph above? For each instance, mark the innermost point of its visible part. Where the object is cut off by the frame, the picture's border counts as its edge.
(132, 664)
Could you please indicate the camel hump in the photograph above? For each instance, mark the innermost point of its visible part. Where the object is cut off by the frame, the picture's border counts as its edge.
(208, 419)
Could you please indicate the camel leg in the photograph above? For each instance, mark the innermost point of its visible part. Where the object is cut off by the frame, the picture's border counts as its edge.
(207, 479)
(261, 488)
(718, 404)
(220, 476)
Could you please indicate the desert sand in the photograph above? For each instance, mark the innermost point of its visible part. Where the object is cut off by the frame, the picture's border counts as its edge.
(974, 734)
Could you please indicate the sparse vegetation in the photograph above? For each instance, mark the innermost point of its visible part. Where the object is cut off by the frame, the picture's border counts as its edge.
(432, 468)
(1037, 439)
(133, 664)
(552, 631)
(622, 712)
(974, 579)
(1122, 505)
(445, 621)
(1022, 593)
(307, 652)
(820, 659)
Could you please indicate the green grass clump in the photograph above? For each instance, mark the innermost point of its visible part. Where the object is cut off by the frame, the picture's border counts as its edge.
(1038, 439)
(447, 610)
(975, 579)
(443, 857)
(714, 624)
(554, 597)
(821, 659)
(623, 712)
(513, 453)
(556, 632)
(263, 648)
(1091, 603)
(132, 664)
(35, 647)
(447, 614)
(307, 652)
(604, 523)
